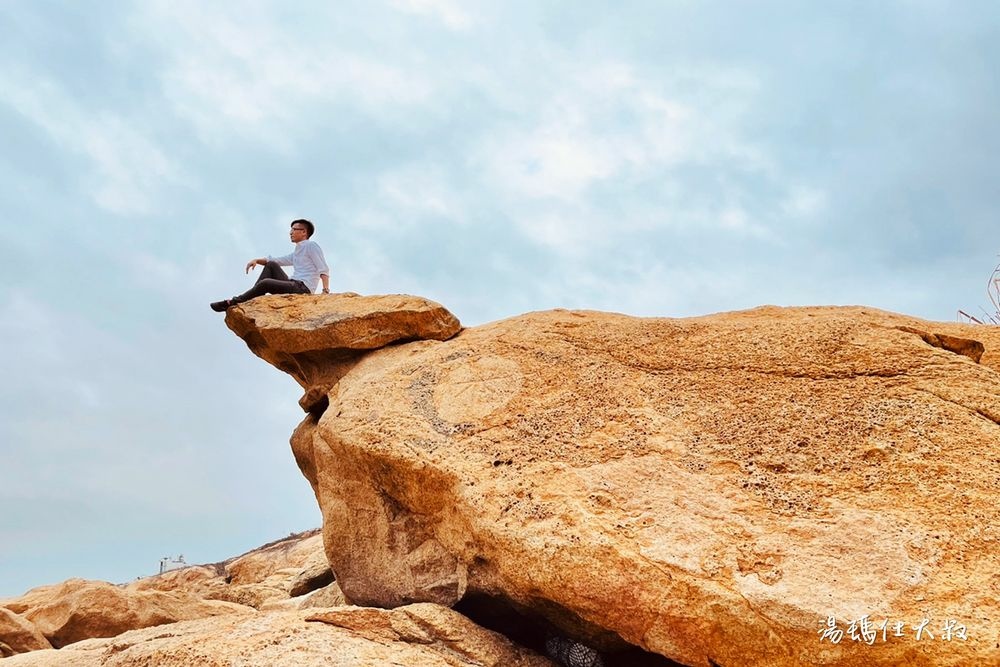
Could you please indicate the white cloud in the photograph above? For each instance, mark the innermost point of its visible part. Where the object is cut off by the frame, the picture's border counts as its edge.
(607, 128)
(28, 327)
(733, 217)
(128, 169)
(251, 75)
(154, 272)
(371, 271)
(131, 170)
(421, 189)
(550, 162)
(559, 233)
(449, 12)
(402, 198)
(605, 121)
(804, 203)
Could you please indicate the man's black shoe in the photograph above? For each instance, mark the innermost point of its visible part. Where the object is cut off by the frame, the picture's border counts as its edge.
(220, 306)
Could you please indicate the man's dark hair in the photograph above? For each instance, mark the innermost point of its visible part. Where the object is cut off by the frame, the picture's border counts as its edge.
(310, 227)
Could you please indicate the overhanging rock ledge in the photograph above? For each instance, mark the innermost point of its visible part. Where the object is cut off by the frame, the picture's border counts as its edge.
(317, 338)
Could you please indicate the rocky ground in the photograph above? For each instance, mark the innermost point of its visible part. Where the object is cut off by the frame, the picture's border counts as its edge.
(779, 486)
(277, 605)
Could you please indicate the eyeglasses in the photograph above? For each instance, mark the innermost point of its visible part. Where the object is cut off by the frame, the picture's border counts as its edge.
(298, 229)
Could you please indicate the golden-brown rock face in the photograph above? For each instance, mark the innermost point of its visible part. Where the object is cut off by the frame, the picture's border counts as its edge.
(420, 635)
(290, 573)
(712, 489)
(268, 575)
(79, 609)
(317, 338)
(19, 635)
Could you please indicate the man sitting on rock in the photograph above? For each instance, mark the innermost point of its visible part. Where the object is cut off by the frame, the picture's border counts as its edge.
(307, 261)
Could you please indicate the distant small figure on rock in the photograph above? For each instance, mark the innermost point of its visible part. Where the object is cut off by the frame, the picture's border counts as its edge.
(307, 261)
(570, 653)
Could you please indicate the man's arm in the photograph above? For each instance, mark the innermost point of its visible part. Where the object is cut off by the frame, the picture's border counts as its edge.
(284, 260)
(319, 261)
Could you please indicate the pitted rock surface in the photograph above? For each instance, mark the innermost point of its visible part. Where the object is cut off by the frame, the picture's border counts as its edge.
(711, 489)
(79, 609)
(416, 636)
(317, 338)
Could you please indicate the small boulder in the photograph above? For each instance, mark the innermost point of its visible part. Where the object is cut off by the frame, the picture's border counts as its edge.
(19, 635)
(318, 338)
(198, 580)
(292, 555)
(79, 609)
(328, 596)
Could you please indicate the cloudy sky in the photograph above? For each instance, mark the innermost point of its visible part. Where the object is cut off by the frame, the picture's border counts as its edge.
(666, 158)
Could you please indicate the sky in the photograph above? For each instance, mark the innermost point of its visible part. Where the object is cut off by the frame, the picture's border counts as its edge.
(656, 158)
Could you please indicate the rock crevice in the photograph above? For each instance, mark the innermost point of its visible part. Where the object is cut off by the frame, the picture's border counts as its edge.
(973, 349)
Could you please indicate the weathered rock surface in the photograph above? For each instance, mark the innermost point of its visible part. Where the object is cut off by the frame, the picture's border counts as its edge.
(312, 576)
(328, 596)
(203, 581)
(316, 339)
(711, 489)
(420, 635)
(288, 574)
(78, 609)
(18, 634)
(275, 572)
(278, 571)
(263, 562)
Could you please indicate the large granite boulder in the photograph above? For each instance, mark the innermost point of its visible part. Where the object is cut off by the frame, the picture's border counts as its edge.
(420, 635)
(712, 489)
